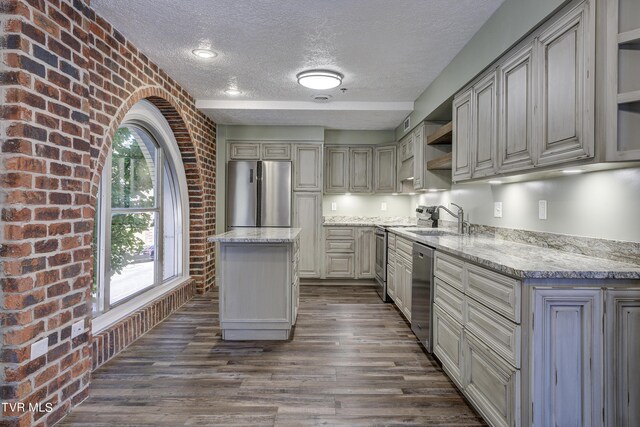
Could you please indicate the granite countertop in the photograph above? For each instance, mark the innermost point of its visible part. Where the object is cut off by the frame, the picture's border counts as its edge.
(257, 235)
(368, 221)
(525, 261)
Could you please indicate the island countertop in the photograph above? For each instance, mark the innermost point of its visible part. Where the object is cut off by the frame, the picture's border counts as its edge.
(525, 261)
(257, 235)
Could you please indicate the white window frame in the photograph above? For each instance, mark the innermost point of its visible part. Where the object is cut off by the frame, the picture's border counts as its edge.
(145, 115)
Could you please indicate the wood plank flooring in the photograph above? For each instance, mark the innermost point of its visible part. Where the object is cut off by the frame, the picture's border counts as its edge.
(353, 361)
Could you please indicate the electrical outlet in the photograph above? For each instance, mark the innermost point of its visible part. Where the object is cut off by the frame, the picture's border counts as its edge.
(383, 206)
(77, 328)
(39, 348)
(542, 209)
(497, 210)
(334, 206)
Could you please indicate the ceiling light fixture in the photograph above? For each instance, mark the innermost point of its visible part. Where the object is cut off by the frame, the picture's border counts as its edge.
(204, 53)
(572, 171)
(319, 79)
(232, 91)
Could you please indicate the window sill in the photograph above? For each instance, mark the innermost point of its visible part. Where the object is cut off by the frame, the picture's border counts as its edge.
(118, 313)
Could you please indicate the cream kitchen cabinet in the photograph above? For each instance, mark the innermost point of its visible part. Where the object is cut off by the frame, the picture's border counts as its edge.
(276, 151)
(307, 215)
(564, 86)
(360, 170)
(349, 252)
(307, 167)
(419, 164)
(384, 169)
(336, 170)
(403, 275)
(244, 151)
(515, 127)
(535, 107)
(391, 266)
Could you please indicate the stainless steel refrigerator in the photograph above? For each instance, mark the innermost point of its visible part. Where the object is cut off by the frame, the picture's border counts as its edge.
(258, 193)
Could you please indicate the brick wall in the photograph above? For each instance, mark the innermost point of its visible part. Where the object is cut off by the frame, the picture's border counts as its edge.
(67, 80)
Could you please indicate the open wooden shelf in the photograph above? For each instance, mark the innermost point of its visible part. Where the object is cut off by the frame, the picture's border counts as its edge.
(629, 38)
(440, 163)
(442, 136)
(628, 97)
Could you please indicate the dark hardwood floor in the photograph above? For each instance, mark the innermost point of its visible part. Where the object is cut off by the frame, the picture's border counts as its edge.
(353, 361)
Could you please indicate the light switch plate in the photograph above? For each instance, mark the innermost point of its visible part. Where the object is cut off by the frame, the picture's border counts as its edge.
(383, 206)
(39, 348)
(77, 328)
(497, 210)
(542, 209)
(334, 206)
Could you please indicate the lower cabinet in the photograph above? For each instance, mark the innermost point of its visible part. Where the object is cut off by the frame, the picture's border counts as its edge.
(349, 253)
(447, 343)
(403, 274)
(307, 214)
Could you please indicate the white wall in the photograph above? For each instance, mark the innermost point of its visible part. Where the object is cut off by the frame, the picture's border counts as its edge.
(359, 205)
(598, 204)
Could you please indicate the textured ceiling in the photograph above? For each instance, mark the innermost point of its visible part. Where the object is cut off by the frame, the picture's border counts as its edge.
(388, 51)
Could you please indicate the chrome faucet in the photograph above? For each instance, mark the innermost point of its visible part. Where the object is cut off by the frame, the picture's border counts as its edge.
(435, 216)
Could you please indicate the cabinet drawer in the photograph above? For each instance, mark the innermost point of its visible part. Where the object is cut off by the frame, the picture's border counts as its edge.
(244, 151)
(500, 334)
(447, 343)
(404, 247)
(449, 269)
(276, 152)
(490, 383)
(494, 290)
(391, 241)
(340, 266)
(339, 233)
(450, 299)
(391, 257)
(342, 246)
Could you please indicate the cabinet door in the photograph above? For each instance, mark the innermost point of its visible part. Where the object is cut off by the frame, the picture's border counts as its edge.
(365, 253)
(491, 383)
(384, 169)
(336, 170)
(406, 288)
(622, 357)
(419, 163)
(567, 366)
(276, 152)
(340, 266)
(565, 94)
(308, 216)
(360, 170)
(462, 125)
(391, 280)
(244, 151)
(485, 126)
(447, 343)
(400, 273)
(307, 168)
(515, 140)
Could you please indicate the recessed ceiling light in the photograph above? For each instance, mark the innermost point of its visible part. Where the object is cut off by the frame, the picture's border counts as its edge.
(572, 171)
(495, 181)
(319, 79)
(204, 53)
(232, 91)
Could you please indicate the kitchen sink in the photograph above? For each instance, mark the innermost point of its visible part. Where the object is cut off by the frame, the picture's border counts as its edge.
(431, 232)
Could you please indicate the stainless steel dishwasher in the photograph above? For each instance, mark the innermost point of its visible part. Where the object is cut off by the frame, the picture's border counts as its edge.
(422, 294)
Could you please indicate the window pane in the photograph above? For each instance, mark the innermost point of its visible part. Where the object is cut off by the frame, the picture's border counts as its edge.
(171, 217)
(133, 169)
(132, 254)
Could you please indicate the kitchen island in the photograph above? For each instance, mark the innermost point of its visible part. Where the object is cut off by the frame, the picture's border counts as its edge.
(258, 281)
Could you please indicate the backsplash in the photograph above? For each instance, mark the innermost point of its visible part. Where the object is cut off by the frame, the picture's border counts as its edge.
(384, 220)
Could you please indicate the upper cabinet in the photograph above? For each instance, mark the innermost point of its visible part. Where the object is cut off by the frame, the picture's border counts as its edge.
(515, 128)
(462, 125)
(336, 170)
(360, 170)
(384, 169)
(535, 107)
(565, 94)
(307, 166)
(244, 151)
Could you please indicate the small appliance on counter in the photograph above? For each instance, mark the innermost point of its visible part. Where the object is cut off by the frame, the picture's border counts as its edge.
(258, 194)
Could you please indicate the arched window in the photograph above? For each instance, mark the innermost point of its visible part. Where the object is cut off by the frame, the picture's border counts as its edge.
(141, 234)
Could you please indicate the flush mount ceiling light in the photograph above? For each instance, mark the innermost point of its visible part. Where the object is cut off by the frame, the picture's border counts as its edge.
(319, 79)
(204, 53)
(232, 91)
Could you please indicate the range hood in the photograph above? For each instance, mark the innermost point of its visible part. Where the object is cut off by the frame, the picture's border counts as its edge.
(406, 170)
